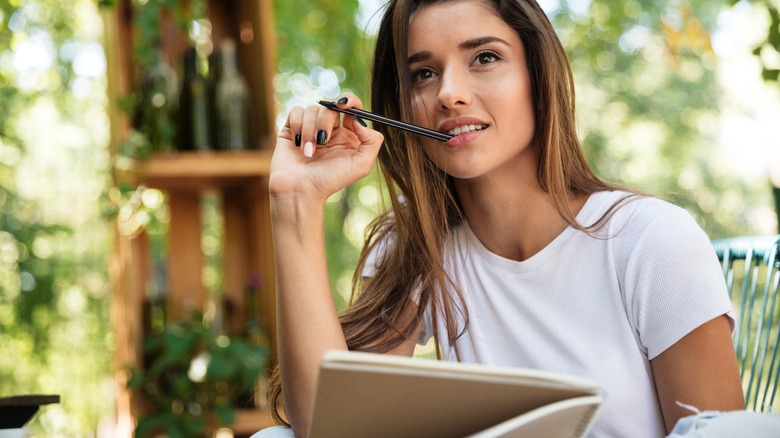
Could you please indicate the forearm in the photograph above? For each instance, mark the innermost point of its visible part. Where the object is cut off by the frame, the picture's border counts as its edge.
(307, 320)
(301, 180)
(699, 370)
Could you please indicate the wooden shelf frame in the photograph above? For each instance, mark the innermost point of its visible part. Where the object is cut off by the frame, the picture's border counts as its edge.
(205, 170)
(241, 178)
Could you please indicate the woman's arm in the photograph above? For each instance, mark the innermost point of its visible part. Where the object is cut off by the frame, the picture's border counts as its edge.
(307, 322)
(699, 370)
(304, 173)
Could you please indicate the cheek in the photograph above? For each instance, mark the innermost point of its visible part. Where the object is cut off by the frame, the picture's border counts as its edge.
(512, 99)
(422, 111)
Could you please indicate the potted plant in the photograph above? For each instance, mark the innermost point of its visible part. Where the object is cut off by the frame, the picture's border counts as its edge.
(194, 378)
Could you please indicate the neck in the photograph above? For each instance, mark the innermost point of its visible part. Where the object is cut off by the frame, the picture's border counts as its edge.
(514, 219)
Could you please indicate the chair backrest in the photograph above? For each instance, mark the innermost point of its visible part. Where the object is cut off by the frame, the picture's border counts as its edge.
(750, 265)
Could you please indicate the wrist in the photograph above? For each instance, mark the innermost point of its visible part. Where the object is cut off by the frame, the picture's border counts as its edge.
(295, 209)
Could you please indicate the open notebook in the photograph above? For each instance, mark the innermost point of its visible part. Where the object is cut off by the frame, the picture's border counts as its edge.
(371, 395)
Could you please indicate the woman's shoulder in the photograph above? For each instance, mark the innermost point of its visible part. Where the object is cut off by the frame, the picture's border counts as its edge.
(649, 225)
(637, 211)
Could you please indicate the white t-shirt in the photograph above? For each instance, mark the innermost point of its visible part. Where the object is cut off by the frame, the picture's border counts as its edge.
(599, 308)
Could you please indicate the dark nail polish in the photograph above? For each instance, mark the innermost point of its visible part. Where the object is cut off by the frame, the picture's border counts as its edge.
(343, 100)
(359, 120)
(297, 140)
(322, 137)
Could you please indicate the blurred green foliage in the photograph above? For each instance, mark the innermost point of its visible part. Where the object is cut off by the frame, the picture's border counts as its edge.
(194, 378)
(645, 77)
(770, 47)
(54, 294)
(648, 106)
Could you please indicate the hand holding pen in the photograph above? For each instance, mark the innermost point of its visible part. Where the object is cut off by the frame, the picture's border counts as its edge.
(318, 152)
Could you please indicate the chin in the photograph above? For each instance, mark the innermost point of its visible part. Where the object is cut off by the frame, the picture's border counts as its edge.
(462, 173)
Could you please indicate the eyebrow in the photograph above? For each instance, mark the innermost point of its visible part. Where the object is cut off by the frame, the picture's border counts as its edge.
(465, 45)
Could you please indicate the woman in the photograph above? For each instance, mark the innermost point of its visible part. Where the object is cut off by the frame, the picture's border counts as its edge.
(501, 243)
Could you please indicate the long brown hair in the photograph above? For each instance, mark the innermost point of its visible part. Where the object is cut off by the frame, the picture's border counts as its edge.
(424, 205)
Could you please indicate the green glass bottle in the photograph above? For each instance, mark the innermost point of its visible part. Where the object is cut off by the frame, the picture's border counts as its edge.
(232, 101)
(194, 107)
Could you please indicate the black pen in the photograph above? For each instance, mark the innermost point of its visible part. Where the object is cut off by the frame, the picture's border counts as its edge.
(387, 121)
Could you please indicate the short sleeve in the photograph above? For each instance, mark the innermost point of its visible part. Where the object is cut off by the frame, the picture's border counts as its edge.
(673, 282)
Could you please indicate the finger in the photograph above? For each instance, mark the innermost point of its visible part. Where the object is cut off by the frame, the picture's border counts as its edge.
(326, 121)
(308, 129)
(294, 122)
(349, 100)
(365, 134)
(370, 140)
(336, 121)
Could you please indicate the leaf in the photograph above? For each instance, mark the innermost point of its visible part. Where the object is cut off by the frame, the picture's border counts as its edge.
(176, 431)
(147, 425)
(192, 426)
(774, 28)
(770, 74)
(226, 415)
(221, 368)
(128, 105)
(182, 387)
(162, 364)
(137, 378)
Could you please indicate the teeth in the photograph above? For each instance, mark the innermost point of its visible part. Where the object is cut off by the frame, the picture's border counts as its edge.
(458, 130)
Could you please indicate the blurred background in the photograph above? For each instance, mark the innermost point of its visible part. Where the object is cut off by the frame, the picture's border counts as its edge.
(679, 99)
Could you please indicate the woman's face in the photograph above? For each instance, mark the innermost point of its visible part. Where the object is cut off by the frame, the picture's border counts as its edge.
(470, 79)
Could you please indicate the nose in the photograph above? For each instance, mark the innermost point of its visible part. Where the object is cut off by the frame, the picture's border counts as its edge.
(453, 91)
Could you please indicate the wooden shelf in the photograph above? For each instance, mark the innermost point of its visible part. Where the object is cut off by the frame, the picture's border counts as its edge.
(204, 170)
(239, 178)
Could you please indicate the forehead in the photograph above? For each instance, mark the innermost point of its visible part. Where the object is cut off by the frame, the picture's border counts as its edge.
(454, 21)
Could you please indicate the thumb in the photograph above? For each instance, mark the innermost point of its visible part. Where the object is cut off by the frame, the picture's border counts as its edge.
(368, 137)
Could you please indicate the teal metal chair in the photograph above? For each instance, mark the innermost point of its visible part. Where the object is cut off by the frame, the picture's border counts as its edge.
(750, 265)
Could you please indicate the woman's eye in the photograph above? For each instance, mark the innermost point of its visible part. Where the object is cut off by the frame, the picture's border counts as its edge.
(421, 75)
(486, 58)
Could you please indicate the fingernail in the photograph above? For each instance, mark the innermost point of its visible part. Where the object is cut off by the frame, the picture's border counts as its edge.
(322, 137)
(343, 100)
(298, 140)
(308, 149)
(359, 120)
